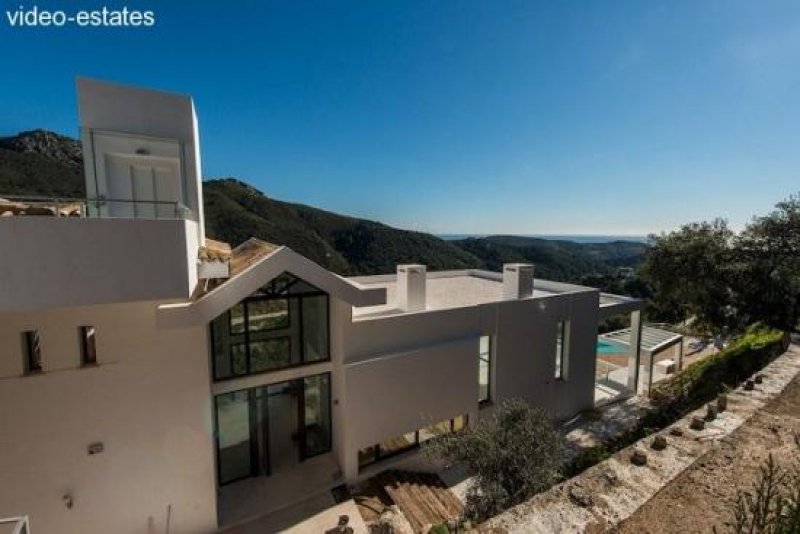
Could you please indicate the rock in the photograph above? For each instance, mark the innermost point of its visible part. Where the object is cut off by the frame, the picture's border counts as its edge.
(722, 402)
(676, 431)
(580, 496)
(758, 379)
(611, 478)
(697, 423)
(749, 385)
(659, 443)
(639, 458)
(711, 412)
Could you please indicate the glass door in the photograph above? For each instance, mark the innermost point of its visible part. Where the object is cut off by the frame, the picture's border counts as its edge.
(267, 429)
(234, 448)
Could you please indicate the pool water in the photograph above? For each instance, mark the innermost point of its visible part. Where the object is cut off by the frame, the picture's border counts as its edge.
(605, 346)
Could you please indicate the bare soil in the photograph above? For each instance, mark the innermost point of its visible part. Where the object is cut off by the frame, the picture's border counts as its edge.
(700, 498)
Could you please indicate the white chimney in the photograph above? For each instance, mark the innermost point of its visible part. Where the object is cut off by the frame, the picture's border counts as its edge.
(517, 280)
(411, 287)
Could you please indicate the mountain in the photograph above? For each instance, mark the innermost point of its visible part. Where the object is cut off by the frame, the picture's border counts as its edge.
(47, 164)
(41, 163)
(557, 260)
(236, 211)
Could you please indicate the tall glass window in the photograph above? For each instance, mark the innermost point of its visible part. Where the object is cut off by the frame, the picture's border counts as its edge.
(484, 369)
(317, 396)
(233, 436)
(562, 333)
(266, 429)
(283, 324)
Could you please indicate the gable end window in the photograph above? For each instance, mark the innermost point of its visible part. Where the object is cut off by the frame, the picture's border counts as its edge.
(283, 324)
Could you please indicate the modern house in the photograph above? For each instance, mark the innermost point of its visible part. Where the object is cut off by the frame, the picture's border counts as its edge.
(152, 379)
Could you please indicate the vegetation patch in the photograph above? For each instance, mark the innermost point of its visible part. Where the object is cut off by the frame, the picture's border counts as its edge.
(515, 453)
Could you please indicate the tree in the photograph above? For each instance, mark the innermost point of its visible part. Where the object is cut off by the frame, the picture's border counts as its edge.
(515, 453)
(687, 272)
(765, 270)
(727, 281)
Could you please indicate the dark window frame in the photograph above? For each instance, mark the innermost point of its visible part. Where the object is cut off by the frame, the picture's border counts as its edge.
(32, 346)
(562, 331)
(253, 428)
(87, 347)
(488, 400)
(245, 335)
(378, 457)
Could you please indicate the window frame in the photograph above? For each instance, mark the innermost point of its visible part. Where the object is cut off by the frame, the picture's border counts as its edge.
(253, 428)
(245, 335)
(85, 345)
(561, 372)
(483, 402)
(378, 457)
(32, 344)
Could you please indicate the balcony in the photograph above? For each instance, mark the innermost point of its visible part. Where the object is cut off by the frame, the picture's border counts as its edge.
(79, 252)
(16, 205)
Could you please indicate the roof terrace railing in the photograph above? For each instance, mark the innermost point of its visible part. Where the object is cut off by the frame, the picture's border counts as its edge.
(94, 208)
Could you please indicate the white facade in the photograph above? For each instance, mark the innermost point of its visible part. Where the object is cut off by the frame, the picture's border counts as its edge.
(194, 388)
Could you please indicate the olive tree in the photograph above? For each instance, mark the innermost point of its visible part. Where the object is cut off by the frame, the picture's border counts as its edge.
(514, 453)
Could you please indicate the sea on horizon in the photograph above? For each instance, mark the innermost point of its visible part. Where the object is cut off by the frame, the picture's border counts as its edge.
(575, 238)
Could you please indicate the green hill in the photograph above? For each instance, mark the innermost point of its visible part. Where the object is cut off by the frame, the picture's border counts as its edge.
(48, 164)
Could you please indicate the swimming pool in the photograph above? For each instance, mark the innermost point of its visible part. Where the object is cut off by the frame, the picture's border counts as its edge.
(610, 348)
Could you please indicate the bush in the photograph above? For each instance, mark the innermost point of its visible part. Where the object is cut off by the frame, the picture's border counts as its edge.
(771, 505)
(704, 379)
(515, 453)
(441, 528)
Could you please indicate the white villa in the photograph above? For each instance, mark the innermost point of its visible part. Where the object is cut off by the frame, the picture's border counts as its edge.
(153, 380)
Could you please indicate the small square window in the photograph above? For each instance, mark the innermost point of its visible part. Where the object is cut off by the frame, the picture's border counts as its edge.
(88, 345)
(33, 351)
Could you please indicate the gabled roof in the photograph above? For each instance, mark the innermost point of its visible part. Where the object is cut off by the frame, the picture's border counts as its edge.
(269, 264)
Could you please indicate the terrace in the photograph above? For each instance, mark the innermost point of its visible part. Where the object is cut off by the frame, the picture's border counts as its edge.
(622, 370)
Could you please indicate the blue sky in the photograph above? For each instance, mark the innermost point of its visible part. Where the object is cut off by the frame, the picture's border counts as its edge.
(619, 117)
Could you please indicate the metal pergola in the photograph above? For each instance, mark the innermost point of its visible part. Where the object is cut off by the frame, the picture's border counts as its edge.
(652, 341)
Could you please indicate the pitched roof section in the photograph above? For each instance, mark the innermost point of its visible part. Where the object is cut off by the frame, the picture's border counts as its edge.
(259, 262)
(215, 251)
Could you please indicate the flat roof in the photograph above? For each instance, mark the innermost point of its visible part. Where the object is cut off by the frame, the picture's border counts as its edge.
(453, 289)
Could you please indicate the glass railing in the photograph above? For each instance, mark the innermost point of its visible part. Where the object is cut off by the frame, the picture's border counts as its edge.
(12, 205)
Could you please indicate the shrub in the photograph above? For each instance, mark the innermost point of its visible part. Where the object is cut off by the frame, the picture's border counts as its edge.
(441, 528)
(771, 505)
(515, 453)
(704, 379)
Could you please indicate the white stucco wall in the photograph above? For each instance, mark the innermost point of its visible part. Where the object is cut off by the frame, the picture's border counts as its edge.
(145, 112)
(148, 402)
(53, 262)
(403, 371)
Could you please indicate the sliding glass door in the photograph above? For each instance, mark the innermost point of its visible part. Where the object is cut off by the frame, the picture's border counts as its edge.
(270, 428)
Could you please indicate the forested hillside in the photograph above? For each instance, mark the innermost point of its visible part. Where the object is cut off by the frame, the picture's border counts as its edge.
(48, 164)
